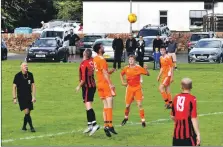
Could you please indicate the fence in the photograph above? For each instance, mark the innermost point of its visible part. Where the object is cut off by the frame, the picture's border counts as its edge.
(18, 42)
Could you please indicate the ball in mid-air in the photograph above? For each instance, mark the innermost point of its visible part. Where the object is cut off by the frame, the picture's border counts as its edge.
(132, 18)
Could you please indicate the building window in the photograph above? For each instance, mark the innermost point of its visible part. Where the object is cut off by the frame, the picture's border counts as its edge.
(209, 5)
(196, 17)
(163, 17)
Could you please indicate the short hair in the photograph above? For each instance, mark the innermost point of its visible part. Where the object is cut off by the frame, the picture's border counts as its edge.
(97, 47)
(88, 53)
(132, 56)
(186, 83)
(71, 29)
(163, 46)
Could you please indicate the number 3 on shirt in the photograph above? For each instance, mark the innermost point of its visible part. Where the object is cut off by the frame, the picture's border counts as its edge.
(95, 66)
(180, 103)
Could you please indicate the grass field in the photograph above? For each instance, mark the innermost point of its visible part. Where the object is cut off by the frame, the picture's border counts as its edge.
(59, 115)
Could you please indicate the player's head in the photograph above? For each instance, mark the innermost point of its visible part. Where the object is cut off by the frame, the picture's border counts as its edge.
(71, 31)
(98, 48)
(158, 36)
(132, 59)
(117, 36)
(186, 84)
(140, 38)
(87, 54)
(24, 66)
(130, 36)
(163, 50)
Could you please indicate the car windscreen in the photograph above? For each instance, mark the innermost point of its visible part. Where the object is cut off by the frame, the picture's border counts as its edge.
(53, 34)
(197, 37)
(45, 43)
(91, 38)
(148, 32)
(148, 42)
(208, 44)
(105, 42)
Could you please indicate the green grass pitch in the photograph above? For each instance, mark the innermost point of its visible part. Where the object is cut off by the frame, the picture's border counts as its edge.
(59, 115)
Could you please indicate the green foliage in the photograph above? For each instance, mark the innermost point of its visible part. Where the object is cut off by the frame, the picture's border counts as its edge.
(29, 13)
(68, 9)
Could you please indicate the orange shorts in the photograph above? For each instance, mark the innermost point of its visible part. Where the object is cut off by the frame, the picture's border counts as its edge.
(166, 81)
(133, 93)
(104, 91)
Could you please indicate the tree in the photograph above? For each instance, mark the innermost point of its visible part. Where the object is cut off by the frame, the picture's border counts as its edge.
(69, 9)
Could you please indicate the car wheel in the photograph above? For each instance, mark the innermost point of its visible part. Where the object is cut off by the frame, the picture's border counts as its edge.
(81, 53)
(4, 56)
(189, 60)
(65, 58)
(219, 60)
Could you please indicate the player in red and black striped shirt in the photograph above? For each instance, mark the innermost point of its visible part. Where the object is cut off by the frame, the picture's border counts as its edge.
(184, 114)
(87, 82)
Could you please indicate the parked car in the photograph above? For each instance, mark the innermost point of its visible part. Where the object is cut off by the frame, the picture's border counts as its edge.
(4, 50)
(207, 50)
(148, 55)
(195, 37)
(109, 52)
(89, 40)
(154, 30)
(50, 49)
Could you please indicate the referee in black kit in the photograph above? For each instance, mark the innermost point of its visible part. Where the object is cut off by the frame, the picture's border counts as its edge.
(24, 85)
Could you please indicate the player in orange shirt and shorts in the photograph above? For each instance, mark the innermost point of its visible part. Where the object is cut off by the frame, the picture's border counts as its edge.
(133, 87)
(105, 88)
(165, 77)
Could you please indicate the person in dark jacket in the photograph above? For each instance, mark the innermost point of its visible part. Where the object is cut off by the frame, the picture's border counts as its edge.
(141, 50)
(118, 47)
(157, 43)
(131, 45)
(73, 38)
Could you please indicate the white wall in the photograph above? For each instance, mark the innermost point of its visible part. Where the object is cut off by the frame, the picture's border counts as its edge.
(112, 17)
(218, 8)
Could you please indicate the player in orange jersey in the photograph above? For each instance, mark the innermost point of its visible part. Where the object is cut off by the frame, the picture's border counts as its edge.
(165, 77)
(105, 88)
(133, 87)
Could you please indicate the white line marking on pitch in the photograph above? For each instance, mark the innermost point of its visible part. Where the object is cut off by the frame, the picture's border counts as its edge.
(80, 130)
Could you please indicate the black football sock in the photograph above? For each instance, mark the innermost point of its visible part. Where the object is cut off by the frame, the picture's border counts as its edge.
(29, 119)
(93, 118)
(88, 118)
(25, 121)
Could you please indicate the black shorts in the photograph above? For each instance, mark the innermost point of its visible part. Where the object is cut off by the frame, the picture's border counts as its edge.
(184, 142)
(88, 94)
(25, 102)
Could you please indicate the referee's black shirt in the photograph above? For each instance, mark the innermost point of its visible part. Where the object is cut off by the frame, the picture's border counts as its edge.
(24, 84)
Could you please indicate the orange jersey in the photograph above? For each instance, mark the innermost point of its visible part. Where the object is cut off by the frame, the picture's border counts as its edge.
(166, 65)
(133, 74)
(100, 64)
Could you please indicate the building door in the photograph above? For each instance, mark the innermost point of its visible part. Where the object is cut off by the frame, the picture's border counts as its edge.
(163, 17)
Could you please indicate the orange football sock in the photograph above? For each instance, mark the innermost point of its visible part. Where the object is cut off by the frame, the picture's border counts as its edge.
(105, 117)
(169, 97)
(142, 114)
(165, 97)
(127, 109)
(109, 119)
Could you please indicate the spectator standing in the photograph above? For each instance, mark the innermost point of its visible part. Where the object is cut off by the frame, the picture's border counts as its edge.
(141, 50)
(118, 47)
(157, 43)
(172, 49)
(131, 45)
(73, 38)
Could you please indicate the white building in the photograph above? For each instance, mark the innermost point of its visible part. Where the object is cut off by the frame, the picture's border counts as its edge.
(112, 16)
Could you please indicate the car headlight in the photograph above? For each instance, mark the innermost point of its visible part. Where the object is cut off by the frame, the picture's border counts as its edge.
(191, 54)
(52, 52)
(214, 54)
(30, 51)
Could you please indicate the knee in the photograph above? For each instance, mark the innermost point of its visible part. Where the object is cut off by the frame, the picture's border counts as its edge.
(161, 88)
(139, 105)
